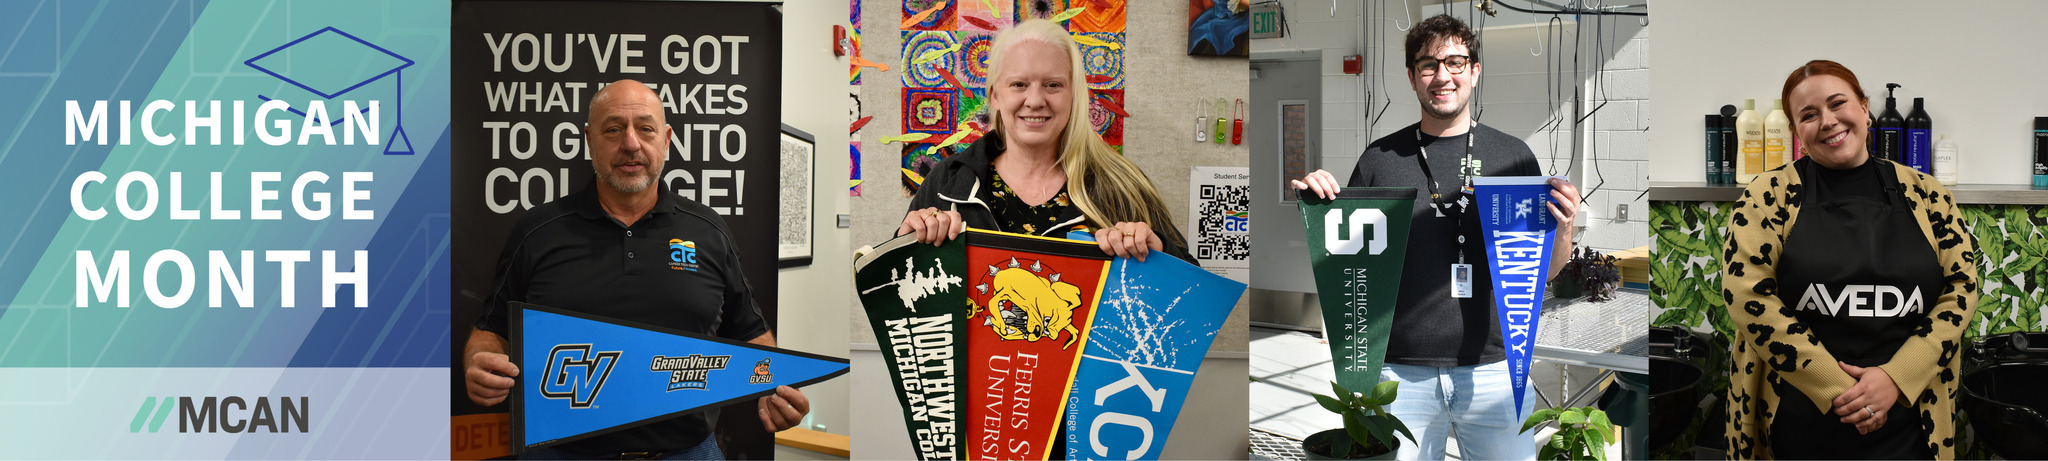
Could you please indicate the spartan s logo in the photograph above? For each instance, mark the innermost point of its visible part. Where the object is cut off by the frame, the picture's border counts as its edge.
(1359, 219)
(579, 387)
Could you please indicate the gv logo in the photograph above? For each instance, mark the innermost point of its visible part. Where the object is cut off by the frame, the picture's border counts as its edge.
(580, 387)
(1359, 219)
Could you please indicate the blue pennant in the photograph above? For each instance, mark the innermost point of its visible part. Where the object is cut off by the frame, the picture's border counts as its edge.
(582, 375)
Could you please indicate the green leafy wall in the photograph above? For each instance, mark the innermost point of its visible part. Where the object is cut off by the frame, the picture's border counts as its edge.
(1685, 265)
(1685, 274)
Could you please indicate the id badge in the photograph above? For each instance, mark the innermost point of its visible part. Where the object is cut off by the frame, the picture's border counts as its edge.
(1461, 281)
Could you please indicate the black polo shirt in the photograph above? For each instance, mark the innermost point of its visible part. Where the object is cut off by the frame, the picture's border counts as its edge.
(674, 268)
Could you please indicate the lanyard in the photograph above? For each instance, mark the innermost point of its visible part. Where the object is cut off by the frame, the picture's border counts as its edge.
(1435, 196)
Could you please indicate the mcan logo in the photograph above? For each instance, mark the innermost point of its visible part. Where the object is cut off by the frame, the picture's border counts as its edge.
(688, 372)
(231, 414)
(576, 373)
(682, 255)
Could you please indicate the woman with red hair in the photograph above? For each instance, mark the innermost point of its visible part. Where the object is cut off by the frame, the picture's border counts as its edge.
(1850, 280)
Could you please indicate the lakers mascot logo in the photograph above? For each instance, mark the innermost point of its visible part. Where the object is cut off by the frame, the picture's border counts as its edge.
(761, 373)
(1025, 305)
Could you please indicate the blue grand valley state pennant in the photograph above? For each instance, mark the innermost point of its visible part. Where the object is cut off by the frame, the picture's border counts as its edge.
(1519, 232)
(1153, 326)
(583, 375)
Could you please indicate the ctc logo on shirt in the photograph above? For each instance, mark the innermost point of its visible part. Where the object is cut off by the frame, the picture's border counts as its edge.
(682, 255)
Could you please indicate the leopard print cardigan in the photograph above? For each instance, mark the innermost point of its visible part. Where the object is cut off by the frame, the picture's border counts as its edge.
(1771, 346)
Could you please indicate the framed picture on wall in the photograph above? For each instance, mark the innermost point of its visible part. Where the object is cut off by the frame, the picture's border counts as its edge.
(794, 235)
(1296, 156)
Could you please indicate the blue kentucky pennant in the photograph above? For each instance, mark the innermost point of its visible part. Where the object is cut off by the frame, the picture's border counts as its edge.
(583, 375)
(1519, 232)
(1151, 331)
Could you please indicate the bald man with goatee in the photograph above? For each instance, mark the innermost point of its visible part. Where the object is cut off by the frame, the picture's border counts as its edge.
(626, 249)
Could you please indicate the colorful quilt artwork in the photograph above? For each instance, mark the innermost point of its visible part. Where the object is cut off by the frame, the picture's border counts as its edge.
(974, 48)
(945, 68)
(1105, 120)
(1101, 16)
(984, 15)
(927, 55)
(918, 160)
(1105, 64)
(1037, 9)
(853, 167)
(929, 110)
(973, 109)
(998, 339)
(853, 37)
(943, 19)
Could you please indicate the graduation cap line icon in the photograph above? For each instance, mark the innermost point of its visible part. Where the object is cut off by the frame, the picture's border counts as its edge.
(398, 143)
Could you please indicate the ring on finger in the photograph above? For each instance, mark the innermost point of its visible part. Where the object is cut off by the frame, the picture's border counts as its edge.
(1866, 409)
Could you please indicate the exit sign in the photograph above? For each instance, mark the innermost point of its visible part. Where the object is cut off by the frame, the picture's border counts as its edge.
(1266, 21)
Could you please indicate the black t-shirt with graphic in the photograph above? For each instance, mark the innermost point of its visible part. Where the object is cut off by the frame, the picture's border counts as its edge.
(1431, 328)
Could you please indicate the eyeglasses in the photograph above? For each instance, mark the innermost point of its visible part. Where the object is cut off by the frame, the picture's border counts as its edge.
(1455, 63)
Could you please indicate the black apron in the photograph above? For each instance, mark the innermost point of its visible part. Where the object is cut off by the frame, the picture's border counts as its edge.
(1861, 276)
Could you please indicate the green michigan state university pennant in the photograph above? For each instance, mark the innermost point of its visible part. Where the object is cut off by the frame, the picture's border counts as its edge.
(1356, 245)
(916, 300)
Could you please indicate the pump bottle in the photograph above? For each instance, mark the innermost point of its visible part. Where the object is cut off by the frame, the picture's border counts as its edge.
(1777, 136)
(1919, 134)
(1749, 130)
(1891, 128)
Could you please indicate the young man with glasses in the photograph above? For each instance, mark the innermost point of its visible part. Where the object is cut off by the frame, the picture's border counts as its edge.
(1446, 348)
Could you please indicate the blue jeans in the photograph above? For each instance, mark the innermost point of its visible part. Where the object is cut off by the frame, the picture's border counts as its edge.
(1476, 402)
(705, 450)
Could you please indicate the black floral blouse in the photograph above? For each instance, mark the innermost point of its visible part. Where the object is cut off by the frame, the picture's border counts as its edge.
(1018, 217)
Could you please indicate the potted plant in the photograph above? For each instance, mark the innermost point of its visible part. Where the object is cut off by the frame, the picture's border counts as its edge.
(1589, 273)
(1368, 431)
(1582, 433)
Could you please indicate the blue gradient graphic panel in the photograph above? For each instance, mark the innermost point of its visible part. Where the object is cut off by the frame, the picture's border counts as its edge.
(168, 235)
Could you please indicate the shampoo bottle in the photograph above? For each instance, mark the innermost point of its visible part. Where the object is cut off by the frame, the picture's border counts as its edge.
(1919, 134)
(1730, 148)
(1891, 128)
(1945, 161)
(1713, 148)
(2040, 151)
(1777, 136)
(1749, 130)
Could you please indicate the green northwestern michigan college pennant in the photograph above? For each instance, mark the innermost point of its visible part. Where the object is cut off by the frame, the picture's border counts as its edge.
(1356, 245)
(916, 301)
